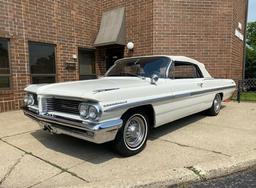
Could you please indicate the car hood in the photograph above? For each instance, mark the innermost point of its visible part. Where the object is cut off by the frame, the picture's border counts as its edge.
(88, 88)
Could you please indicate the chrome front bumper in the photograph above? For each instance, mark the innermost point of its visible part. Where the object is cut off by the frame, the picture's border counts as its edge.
(94, 132)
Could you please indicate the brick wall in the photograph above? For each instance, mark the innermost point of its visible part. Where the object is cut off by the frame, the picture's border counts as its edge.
(12, 27)
(201, 29)
(138, 21)
(139, 28)
(67, 24)
(237, 46)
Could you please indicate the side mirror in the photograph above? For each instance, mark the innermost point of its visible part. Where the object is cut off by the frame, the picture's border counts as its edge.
(154, 79)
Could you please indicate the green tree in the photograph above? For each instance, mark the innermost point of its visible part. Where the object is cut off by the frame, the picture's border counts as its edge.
(250, 66)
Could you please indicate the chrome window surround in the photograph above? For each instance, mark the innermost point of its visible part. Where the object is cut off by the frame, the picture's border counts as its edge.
(117, 61)
(172, 65)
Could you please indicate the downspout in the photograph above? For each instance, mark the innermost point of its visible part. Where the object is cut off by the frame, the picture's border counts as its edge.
(245, 36)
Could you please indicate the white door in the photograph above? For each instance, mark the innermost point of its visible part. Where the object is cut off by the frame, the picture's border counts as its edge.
(186, 84)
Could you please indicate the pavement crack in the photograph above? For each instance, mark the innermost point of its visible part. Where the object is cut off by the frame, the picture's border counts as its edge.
(11, 169)
(198, 148)
(197, 171)
(44, 180)
(46, 161)
(16, 134)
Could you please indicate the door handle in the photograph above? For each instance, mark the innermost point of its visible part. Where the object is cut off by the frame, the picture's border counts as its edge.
(201, 84)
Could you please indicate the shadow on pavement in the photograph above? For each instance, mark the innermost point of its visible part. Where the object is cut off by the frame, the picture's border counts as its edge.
(93, 153)
(100, 153)
(175, 125)
(178, 124)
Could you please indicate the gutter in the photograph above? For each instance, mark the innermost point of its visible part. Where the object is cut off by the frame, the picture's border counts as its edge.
(245, 36)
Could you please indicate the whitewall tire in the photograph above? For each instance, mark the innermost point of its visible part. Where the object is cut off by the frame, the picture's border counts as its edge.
(132, 137)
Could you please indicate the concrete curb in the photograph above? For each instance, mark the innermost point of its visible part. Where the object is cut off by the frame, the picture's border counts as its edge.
(226, 166)
(179, 176)
(160, 178)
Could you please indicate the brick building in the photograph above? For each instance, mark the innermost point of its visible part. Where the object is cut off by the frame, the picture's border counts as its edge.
(56, 41)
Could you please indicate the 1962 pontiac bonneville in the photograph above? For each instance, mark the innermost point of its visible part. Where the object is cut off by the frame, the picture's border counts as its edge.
(136, 94)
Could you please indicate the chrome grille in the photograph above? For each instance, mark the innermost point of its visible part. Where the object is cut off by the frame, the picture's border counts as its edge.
(62, 105)
(44, 105)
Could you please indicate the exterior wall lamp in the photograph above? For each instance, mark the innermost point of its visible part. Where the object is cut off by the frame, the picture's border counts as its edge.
(130, 46)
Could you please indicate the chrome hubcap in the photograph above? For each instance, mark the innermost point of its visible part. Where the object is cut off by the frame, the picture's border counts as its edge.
(134, 131)
(217, 104)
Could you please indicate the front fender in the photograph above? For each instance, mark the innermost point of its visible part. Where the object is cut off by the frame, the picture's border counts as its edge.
(33, 88)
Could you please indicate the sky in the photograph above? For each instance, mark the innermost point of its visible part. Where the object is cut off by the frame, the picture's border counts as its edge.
(252, 11)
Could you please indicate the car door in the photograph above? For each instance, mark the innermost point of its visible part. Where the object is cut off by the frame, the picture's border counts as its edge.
(186, 83)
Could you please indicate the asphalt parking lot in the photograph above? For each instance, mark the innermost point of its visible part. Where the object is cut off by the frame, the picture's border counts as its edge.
(194, 148)
(245, 178)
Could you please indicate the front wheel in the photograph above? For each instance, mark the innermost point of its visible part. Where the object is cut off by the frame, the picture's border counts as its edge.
(216, 105)
(132, 137)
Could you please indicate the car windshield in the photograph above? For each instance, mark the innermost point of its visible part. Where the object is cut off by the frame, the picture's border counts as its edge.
(140, 67)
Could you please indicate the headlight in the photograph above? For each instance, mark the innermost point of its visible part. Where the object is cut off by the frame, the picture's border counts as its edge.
(93, 112)
(29, 100)
(83, 110)
(89, 111)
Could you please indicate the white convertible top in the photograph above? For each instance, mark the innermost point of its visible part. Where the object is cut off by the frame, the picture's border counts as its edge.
(187, 59)
(182, 59)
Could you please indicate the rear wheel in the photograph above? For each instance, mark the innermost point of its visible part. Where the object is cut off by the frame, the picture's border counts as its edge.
(216, 105)
(132, 137)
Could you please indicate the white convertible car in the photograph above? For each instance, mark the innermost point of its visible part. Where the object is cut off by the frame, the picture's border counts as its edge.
(136, 94)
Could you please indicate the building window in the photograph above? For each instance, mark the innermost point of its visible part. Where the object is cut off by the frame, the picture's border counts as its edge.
(4, 64)
(86, 60)
(42, 62)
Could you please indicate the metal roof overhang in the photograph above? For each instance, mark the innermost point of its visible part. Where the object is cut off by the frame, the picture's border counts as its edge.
(112, 28)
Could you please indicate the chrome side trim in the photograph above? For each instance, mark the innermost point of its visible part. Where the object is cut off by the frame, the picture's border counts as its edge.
(168, 97)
